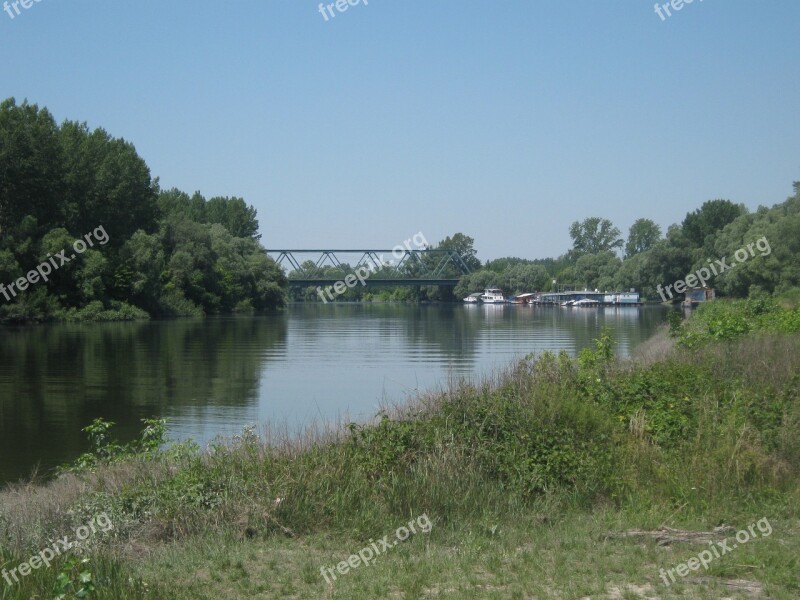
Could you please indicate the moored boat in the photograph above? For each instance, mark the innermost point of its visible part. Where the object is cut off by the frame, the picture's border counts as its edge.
(473, 298)
(493, 296)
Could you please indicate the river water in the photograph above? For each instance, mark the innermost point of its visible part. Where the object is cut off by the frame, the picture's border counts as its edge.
(312, 364)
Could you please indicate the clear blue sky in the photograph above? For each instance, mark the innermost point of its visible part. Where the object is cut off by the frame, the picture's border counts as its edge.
(502, 119)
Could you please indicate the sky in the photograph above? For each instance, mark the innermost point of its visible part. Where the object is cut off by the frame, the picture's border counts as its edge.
(505, 120)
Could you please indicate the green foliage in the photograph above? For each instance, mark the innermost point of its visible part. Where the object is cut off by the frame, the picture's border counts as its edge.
(75, 582)
(674, 320)
(715, 231)
(708, 220)
(106, 450)
(96, 311)
(728, 320)
(465, 246)
(602, 354)
(594, 235)
(32, 172)
(164, 254)
(642, 236)
(596, 271)
(381, 448)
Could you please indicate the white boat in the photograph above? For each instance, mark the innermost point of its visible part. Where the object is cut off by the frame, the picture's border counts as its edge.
(493, 296)
(473, 298)
(525, 299)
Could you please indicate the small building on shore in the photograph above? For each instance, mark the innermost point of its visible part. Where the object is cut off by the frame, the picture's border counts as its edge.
(696, 296)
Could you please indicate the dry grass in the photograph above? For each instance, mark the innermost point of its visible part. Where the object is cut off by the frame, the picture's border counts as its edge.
(35, 512)
(659, 347)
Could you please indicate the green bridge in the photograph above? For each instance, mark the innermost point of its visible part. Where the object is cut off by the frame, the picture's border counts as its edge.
(413, 267)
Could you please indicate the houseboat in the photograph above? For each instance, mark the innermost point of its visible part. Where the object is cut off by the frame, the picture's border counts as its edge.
(597, 298)
(493, 296)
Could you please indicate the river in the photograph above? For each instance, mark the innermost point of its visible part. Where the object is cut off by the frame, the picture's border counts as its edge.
(311, 364)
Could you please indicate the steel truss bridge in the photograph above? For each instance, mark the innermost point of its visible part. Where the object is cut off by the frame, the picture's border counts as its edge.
(416, 267)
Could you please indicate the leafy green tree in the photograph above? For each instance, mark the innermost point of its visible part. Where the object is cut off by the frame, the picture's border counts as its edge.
(142, 263)
(237, 216)
(465, 247)
(62, 282)
(526, 278)
(32, 178)
(642, 235)
(768, 247)
(594, 235)
(707, 220)
(107, 183)
(596, 271)
(90, 276)
(167, 252)
(500, 265)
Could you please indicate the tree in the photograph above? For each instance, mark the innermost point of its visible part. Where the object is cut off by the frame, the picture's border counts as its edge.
(710, 218)
(526, 278)
(477, 282)
(594, 235)
(31, 168)
(168, 253)
(464, 245)
(642, 235)
(139, 277)
(107, 183)
(235, 215)
(665, 263)
(499, 265)
(596, 271)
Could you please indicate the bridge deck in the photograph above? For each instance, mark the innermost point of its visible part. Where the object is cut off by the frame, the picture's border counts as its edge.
(374, 282)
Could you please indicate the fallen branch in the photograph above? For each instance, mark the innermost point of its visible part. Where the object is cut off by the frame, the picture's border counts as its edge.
(667, 535)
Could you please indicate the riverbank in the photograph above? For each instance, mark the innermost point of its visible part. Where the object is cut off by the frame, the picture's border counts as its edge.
(528, 481)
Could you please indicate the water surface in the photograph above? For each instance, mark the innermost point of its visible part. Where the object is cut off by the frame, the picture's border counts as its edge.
(314, 363)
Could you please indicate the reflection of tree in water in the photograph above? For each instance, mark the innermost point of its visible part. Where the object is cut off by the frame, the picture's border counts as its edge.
(55, 379)
(445, 328)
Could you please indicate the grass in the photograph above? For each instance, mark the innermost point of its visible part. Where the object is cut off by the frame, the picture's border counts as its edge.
(526, 478)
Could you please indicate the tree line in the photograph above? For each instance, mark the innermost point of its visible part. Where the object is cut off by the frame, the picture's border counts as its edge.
(601, 259)
(167, 253)
(172, 254)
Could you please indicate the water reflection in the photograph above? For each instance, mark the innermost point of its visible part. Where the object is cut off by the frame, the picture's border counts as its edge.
(55, 379)
(214, 376)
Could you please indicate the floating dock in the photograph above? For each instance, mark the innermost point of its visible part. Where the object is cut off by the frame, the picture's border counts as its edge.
(600, 298)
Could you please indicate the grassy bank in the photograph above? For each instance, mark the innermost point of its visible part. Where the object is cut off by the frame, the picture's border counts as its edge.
(528, 481)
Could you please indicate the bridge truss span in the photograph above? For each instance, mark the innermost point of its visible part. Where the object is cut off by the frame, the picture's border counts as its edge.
(308, 267)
